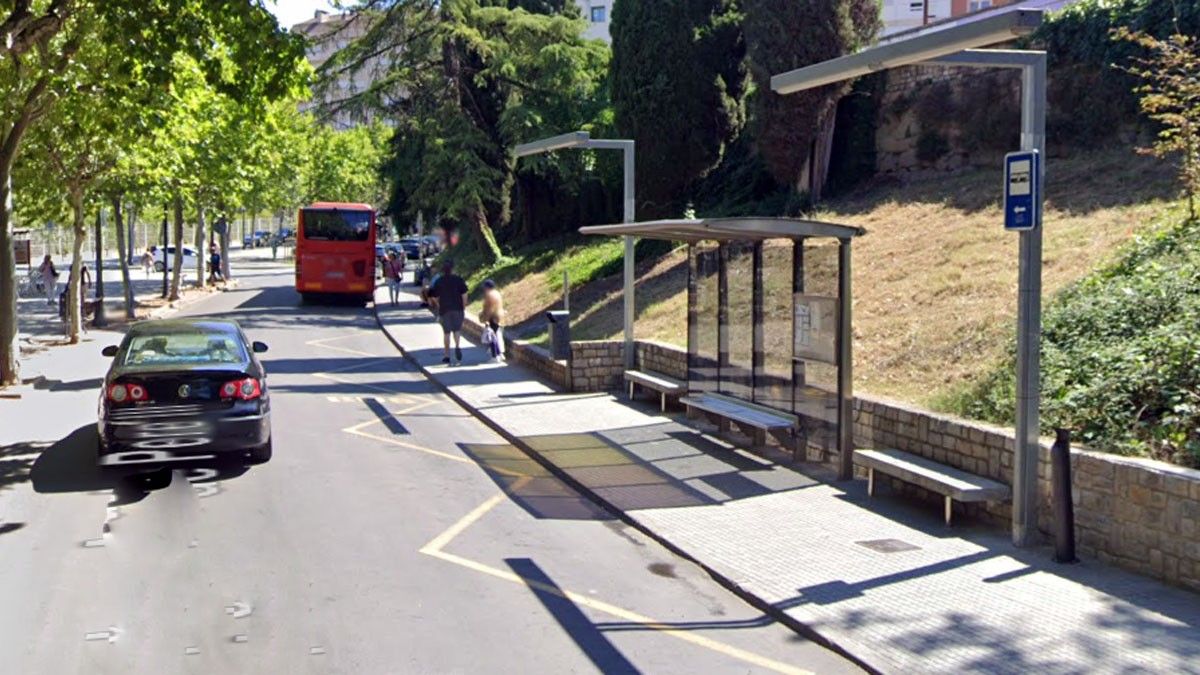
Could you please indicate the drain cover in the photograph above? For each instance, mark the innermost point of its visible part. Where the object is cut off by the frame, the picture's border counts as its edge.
(888, 545)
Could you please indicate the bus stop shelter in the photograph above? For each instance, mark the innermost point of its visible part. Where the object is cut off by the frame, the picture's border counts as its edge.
(769, 317)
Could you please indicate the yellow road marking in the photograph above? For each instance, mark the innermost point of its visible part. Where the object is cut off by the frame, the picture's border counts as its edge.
(435, 549)
(322, 341)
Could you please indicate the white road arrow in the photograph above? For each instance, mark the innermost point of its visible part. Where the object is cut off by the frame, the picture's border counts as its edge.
(239, 610)
(110, 634)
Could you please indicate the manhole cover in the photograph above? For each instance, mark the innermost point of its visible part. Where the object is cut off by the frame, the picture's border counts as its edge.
(888, 545)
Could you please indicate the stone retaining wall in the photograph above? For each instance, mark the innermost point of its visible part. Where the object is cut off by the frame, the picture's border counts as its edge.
(660, 357)
(525, 354)
(597, 365)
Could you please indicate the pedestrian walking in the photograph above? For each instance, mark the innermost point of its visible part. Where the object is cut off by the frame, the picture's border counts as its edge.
(214, 265)
(393, 272)
(49, 279)
(148, 261)
(492, 317)
(449, 294)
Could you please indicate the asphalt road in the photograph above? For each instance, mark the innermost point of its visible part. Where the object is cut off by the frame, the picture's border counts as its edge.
(391, 533)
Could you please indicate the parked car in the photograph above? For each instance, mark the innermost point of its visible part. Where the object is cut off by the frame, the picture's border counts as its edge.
(433, 244)
(413, 248)
(180, 390)
(189, 258)
(256, 239)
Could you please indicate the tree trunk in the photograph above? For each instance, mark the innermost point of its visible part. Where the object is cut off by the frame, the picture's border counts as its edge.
(126, 285)
(131, 240)
(201, 247)
(225, 252)
(10, 370)
(177, 262)
(74, 299)
(485, 239)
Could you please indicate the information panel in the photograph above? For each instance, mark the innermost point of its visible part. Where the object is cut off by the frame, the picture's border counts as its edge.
(815, 328)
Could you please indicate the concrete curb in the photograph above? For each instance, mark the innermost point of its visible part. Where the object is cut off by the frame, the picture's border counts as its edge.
(725, 581)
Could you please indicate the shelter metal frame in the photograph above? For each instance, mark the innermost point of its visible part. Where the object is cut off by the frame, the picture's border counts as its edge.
(724, 231)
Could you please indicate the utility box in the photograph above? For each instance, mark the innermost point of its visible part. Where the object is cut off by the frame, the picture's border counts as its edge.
(560, 334)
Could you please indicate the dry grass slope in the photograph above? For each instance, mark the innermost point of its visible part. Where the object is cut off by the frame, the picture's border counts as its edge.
(935, 278)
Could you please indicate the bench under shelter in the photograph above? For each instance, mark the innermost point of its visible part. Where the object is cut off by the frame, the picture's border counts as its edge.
(768, 329)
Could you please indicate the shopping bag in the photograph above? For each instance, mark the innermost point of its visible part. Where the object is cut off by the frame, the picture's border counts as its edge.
(489, 335)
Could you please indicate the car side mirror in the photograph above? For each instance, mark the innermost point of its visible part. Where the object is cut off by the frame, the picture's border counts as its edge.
(258, 347)
(109, 351)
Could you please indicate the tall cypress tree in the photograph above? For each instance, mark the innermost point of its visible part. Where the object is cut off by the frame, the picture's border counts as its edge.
(679, 80)
(783, 35)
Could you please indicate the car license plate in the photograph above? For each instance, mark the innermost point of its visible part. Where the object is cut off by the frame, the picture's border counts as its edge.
(335, 275)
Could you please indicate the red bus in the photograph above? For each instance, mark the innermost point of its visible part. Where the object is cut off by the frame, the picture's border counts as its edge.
(335, 250)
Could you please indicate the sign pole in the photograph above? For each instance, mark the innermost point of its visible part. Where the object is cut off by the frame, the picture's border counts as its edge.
(1029, 317)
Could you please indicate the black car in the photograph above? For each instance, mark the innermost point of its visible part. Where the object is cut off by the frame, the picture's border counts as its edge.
(413, 248)
(184, 389)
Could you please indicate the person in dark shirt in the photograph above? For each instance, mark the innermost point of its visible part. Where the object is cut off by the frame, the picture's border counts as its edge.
(449, 293)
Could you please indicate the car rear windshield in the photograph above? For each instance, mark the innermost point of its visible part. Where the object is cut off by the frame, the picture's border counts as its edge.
(336, 225)
(184, 349)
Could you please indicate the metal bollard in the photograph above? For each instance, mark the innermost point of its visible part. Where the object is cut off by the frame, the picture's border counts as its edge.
(1064, 509)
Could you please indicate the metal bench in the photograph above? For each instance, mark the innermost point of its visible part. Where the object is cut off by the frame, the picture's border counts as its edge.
(665, 386)
(756, 420)
(945, 480)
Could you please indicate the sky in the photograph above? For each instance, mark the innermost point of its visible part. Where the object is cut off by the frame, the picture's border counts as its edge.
(292, 12)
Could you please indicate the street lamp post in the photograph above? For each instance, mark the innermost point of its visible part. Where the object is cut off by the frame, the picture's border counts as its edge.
(99, 320)
(582, 139)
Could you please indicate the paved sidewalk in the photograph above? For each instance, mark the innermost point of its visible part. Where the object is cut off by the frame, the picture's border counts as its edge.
(926, 599)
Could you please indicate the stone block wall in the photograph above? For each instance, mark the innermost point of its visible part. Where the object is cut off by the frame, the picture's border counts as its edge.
(660, 357)
(523, 353)
(597, 365)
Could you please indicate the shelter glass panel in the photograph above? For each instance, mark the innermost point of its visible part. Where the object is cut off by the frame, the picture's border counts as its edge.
(736, 379)
(815, 315)
(702, 350)
(773, 385)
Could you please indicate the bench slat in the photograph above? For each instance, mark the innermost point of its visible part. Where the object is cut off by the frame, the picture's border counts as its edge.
(754, 417)
(946, 480)
(655, 381)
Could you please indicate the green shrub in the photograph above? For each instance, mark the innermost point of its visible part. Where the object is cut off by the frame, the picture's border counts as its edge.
(1120, 355)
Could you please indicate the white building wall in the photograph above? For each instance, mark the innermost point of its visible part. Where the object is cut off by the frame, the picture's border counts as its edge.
(598, 14)
(901, 15)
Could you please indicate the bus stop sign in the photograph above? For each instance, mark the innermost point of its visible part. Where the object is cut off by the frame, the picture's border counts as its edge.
(1022, 203)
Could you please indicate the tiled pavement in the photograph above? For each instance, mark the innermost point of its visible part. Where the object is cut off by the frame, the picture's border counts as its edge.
(958, 599)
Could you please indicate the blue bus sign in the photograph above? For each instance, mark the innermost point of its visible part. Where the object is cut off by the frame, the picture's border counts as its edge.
(1022, 203)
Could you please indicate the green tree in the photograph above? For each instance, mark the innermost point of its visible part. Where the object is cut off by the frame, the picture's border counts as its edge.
(467, 80)
(783, 35)
(679, 80)
(39, 46)
(343, 165)
(1170, 96)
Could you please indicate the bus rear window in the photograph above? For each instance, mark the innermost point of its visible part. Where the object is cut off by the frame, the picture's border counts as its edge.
(335, 225)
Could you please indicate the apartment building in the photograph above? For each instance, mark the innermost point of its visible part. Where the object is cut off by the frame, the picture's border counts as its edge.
(328, 33)
(598, 14)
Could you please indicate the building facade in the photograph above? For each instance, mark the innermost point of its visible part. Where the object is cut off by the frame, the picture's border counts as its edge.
(598, 14)
(327, 34)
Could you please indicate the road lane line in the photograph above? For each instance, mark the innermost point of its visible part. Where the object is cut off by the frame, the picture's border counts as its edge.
(435, 549)
(322, 341)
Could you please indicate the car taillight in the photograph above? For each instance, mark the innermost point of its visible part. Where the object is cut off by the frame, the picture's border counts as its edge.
(245, 389)
(120, 393)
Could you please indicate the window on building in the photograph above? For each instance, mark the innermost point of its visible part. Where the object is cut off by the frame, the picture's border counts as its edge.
(976, 5)
(599, 14)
